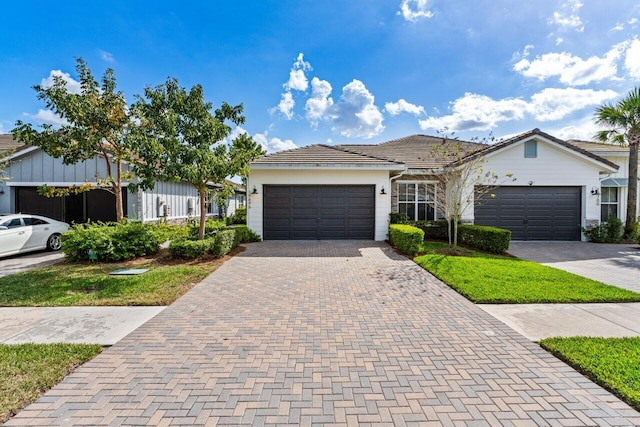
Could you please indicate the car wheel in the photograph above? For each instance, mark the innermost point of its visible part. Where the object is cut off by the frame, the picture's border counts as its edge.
(54, 243)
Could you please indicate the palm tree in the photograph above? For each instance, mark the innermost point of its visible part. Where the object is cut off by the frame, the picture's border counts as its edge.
(622, 124)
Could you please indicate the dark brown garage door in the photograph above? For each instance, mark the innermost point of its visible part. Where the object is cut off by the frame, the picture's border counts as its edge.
(310, 212)
(533, 213)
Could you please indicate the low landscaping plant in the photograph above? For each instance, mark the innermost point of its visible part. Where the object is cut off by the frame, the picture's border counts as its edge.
(211, 226)
(190, 248)
(606, 232)
(614, 363)
(28, 370)
(406, 238)
(223, 242)
(491, 279)
(490, 239)
(109, 242)
(398, 218)
(244, 234)
(238, 217)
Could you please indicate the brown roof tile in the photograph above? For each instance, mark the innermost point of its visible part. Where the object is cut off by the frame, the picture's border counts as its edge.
(598, 147)
(320, 154)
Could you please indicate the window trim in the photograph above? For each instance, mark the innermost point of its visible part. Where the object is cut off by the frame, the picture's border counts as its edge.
(609, 203)
(527, 150)
(415, 202)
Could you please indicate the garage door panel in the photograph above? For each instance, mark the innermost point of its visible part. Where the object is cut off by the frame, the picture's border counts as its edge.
(533, 213)
(319, 212)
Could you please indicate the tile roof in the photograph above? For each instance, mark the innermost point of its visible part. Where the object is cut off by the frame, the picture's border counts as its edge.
(538, 132)
(416, 151)
(8, 143)
(596, 147)
(321, 154)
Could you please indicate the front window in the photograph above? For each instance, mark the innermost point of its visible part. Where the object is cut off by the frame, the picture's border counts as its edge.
(608, 203)
(530, 149)
(417, 200)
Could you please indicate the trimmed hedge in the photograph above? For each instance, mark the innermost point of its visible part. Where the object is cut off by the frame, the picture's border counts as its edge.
(490, 239)
(244, 234)
(406, 238)
(190, 249)
(434, 230)
(110, 241)
(223, 242)
(211, 227)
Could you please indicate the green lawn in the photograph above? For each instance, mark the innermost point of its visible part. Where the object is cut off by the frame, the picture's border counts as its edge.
(28, 370)
(90, 284)
(614, 363)
(486, 278)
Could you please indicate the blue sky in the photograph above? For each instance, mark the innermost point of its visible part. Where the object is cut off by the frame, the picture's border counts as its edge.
(357, 71)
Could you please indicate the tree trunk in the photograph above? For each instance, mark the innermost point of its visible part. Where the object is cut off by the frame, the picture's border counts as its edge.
(202, 192)
(117, 188)
(631, 225)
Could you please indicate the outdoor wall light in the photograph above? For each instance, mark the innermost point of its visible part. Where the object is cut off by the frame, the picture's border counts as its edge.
(382, 190)
(255, 190)
(530, 182)
(595, 191)
(1, 190)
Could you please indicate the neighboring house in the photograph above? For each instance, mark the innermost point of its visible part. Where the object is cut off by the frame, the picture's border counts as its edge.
(30, 167)
(348, 191)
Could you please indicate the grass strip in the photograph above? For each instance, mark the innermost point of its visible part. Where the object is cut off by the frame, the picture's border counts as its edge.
(614, 363)
(28, 370)
(494, 279)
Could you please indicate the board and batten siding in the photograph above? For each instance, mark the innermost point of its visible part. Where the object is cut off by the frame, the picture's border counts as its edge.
(553, 166)
(260, 177)
(175, 195)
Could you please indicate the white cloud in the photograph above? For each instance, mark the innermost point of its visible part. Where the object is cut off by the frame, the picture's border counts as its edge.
(632, 21)
(402, 106)
(412, 10)
(297, 77)
(567, 17)
(47, 117)
(632, 61)
(477, 112)
(273, 144)
(554, 104)
(286, 105)
(481, 113)
(106, 56)
(573, 70)
(320, 102)
(356, 115)
(72, 85)
(618, 27)
(583, 129)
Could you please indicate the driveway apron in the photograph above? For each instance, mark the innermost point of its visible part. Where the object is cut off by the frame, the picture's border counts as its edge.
(325, 332)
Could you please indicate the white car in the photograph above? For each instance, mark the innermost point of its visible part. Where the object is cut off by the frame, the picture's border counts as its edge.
(24, 233)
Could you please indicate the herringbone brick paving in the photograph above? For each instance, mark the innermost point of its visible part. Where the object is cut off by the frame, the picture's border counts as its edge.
(308, 333)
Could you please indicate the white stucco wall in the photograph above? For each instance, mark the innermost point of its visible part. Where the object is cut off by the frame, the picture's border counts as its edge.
(623, 172)
(260, 177)
(553, 166)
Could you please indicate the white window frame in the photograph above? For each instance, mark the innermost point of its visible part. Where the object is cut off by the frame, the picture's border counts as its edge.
(608, 203)
(415, 202)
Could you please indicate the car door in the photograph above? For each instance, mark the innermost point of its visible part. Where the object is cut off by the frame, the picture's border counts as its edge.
(38, 231)
(14, 237)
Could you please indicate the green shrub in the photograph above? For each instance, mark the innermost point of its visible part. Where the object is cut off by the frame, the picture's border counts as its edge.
(211, 227)
(434, 230)
(190, 249)
(244, 234)
(398, 218)
(238, 217)
(166, 232)
(406, 238)
(607, 232)
(490, 239)
(223, 242)
(110, 241)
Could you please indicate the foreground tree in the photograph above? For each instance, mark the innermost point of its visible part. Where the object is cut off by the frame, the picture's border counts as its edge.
(465, 182)
(97, 124)
(622, 126)
(188, 141)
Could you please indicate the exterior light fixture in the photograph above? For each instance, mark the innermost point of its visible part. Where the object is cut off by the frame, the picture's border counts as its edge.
(1, 190)
(595, 191)
(255, 190)
(382, 190)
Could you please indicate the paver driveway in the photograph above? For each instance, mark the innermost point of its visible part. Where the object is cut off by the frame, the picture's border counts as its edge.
(325, 332)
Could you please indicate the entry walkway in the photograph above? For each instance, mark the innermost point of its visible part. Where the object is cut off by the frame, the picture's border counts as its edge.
(346, 333)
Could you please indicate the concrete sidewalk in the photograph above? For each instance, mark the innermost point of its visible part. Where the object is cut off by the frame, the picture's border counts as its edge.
(89, 325)
(538, 321)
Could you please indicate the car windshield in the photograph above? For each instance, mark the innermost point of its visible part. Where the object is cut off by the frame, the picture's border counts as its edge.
(12, 223)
